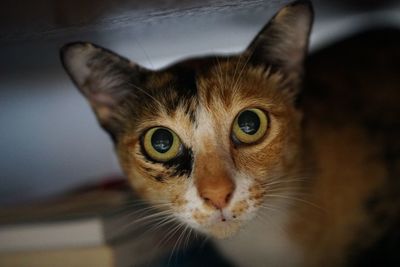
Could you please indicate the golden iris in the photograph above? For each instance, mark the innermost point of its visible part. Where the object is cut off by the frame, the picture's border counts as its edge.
(161, 144)
(250, 125)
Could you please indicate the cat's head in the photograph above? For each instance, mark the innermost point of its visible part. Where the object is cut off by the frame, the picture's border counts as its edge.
(210, 140)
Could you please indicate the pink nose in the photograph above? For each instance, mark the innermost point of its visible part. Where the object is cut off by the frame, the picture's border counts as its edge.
(213, 180)
(218, 197)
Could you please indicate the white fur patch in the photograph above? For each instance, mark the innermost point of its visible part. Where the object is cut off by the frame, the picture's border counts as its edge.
(262, 243)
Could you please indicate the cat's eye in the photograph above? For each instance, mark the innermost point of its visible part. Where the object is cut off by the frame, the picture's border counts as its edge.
(161, 144)
(250, 126)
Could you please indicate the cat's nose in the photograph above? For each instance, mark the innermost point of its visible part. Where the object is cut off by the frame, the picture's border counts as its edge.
(216, 190)
(218, 197)
(213, 180)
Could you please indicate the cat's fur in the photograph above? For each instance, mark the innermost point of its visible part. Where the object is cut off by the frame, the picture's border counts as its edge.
(298, 197)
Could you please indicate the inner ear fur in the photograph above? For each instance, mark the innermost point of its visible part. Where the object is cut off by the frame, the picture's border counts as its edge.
(103, 77)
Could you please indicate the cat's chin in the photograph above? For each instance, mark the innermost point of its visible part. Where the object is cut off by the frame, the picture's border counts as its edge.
(222, 230)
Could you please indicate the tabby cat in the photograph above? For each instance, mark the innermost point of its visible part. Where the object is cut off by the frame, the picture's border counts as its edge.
(231, 147)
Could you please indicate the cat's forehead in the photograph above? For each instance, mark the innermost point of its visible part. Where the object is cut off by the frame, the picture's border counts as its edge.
(213, 86)
(201, 102)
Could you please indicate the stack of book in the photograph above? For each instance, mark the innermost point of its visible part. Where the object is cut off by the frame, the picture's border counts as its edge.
(90, 227)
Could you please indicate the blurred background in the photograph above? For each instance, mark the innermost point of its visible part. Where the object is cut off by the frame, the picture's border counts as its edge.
(49, 138)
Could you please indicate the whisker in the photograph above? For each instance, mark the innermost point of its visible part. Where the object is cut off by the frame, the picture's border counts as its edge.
(145, 54)
(179, 241)
(135, 203)
(296, 199)
(226, 75)
(284, 187)
(278, 181)
(172, 230)
(158, 225)
(173, 248)
(235, 71)
(219, 74)
(261, 216)
(146, 93)
(203, 243)
(130, 213)
(273, 223)
(239, 78)
(188, 237)
(139, 214)
(270, 208)
(147, 219)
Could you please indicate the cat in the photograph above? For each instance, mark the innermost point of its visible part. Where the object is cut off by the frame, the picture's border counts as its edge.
(231, 146)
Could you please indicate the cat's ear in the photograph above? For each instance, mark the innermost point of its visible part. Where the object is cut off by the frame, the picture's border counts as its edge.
(103, 77)
(282, 44)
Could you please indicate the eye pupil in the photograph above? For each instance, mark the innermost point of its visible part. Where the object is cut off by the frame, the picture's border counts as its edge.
(162, 140)
(249, 122)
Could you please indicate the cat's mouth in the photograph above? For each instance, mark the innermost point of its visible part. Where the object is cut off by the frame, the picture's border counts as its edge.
(221, 226)
(223, 229)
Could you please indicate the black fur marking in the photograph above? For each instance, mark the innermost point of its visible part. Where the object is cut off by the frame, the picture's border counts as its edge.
(185, 81)
(182, 164)
(180, 91)
(184, 84)
(191, 112)
(159, 178)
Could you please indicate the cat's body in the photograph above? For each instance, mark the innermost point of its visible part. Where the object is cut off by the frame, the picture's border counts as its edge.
(351, 106)
(230, 147)
(356, 118)
(351, 109)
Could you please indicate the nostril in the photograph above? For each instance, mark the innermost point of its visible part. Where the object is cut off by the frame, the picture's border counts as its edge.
(206, 199)
(228, 197)
(211, 202)
(216, 198)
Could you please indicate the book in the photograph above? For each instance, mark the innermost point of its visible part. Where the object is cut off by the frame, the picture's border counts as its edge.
(127, 253)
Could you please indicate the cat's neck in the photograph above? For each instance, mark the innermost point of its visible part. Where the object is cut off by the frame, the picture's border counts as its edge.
(264, 242)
